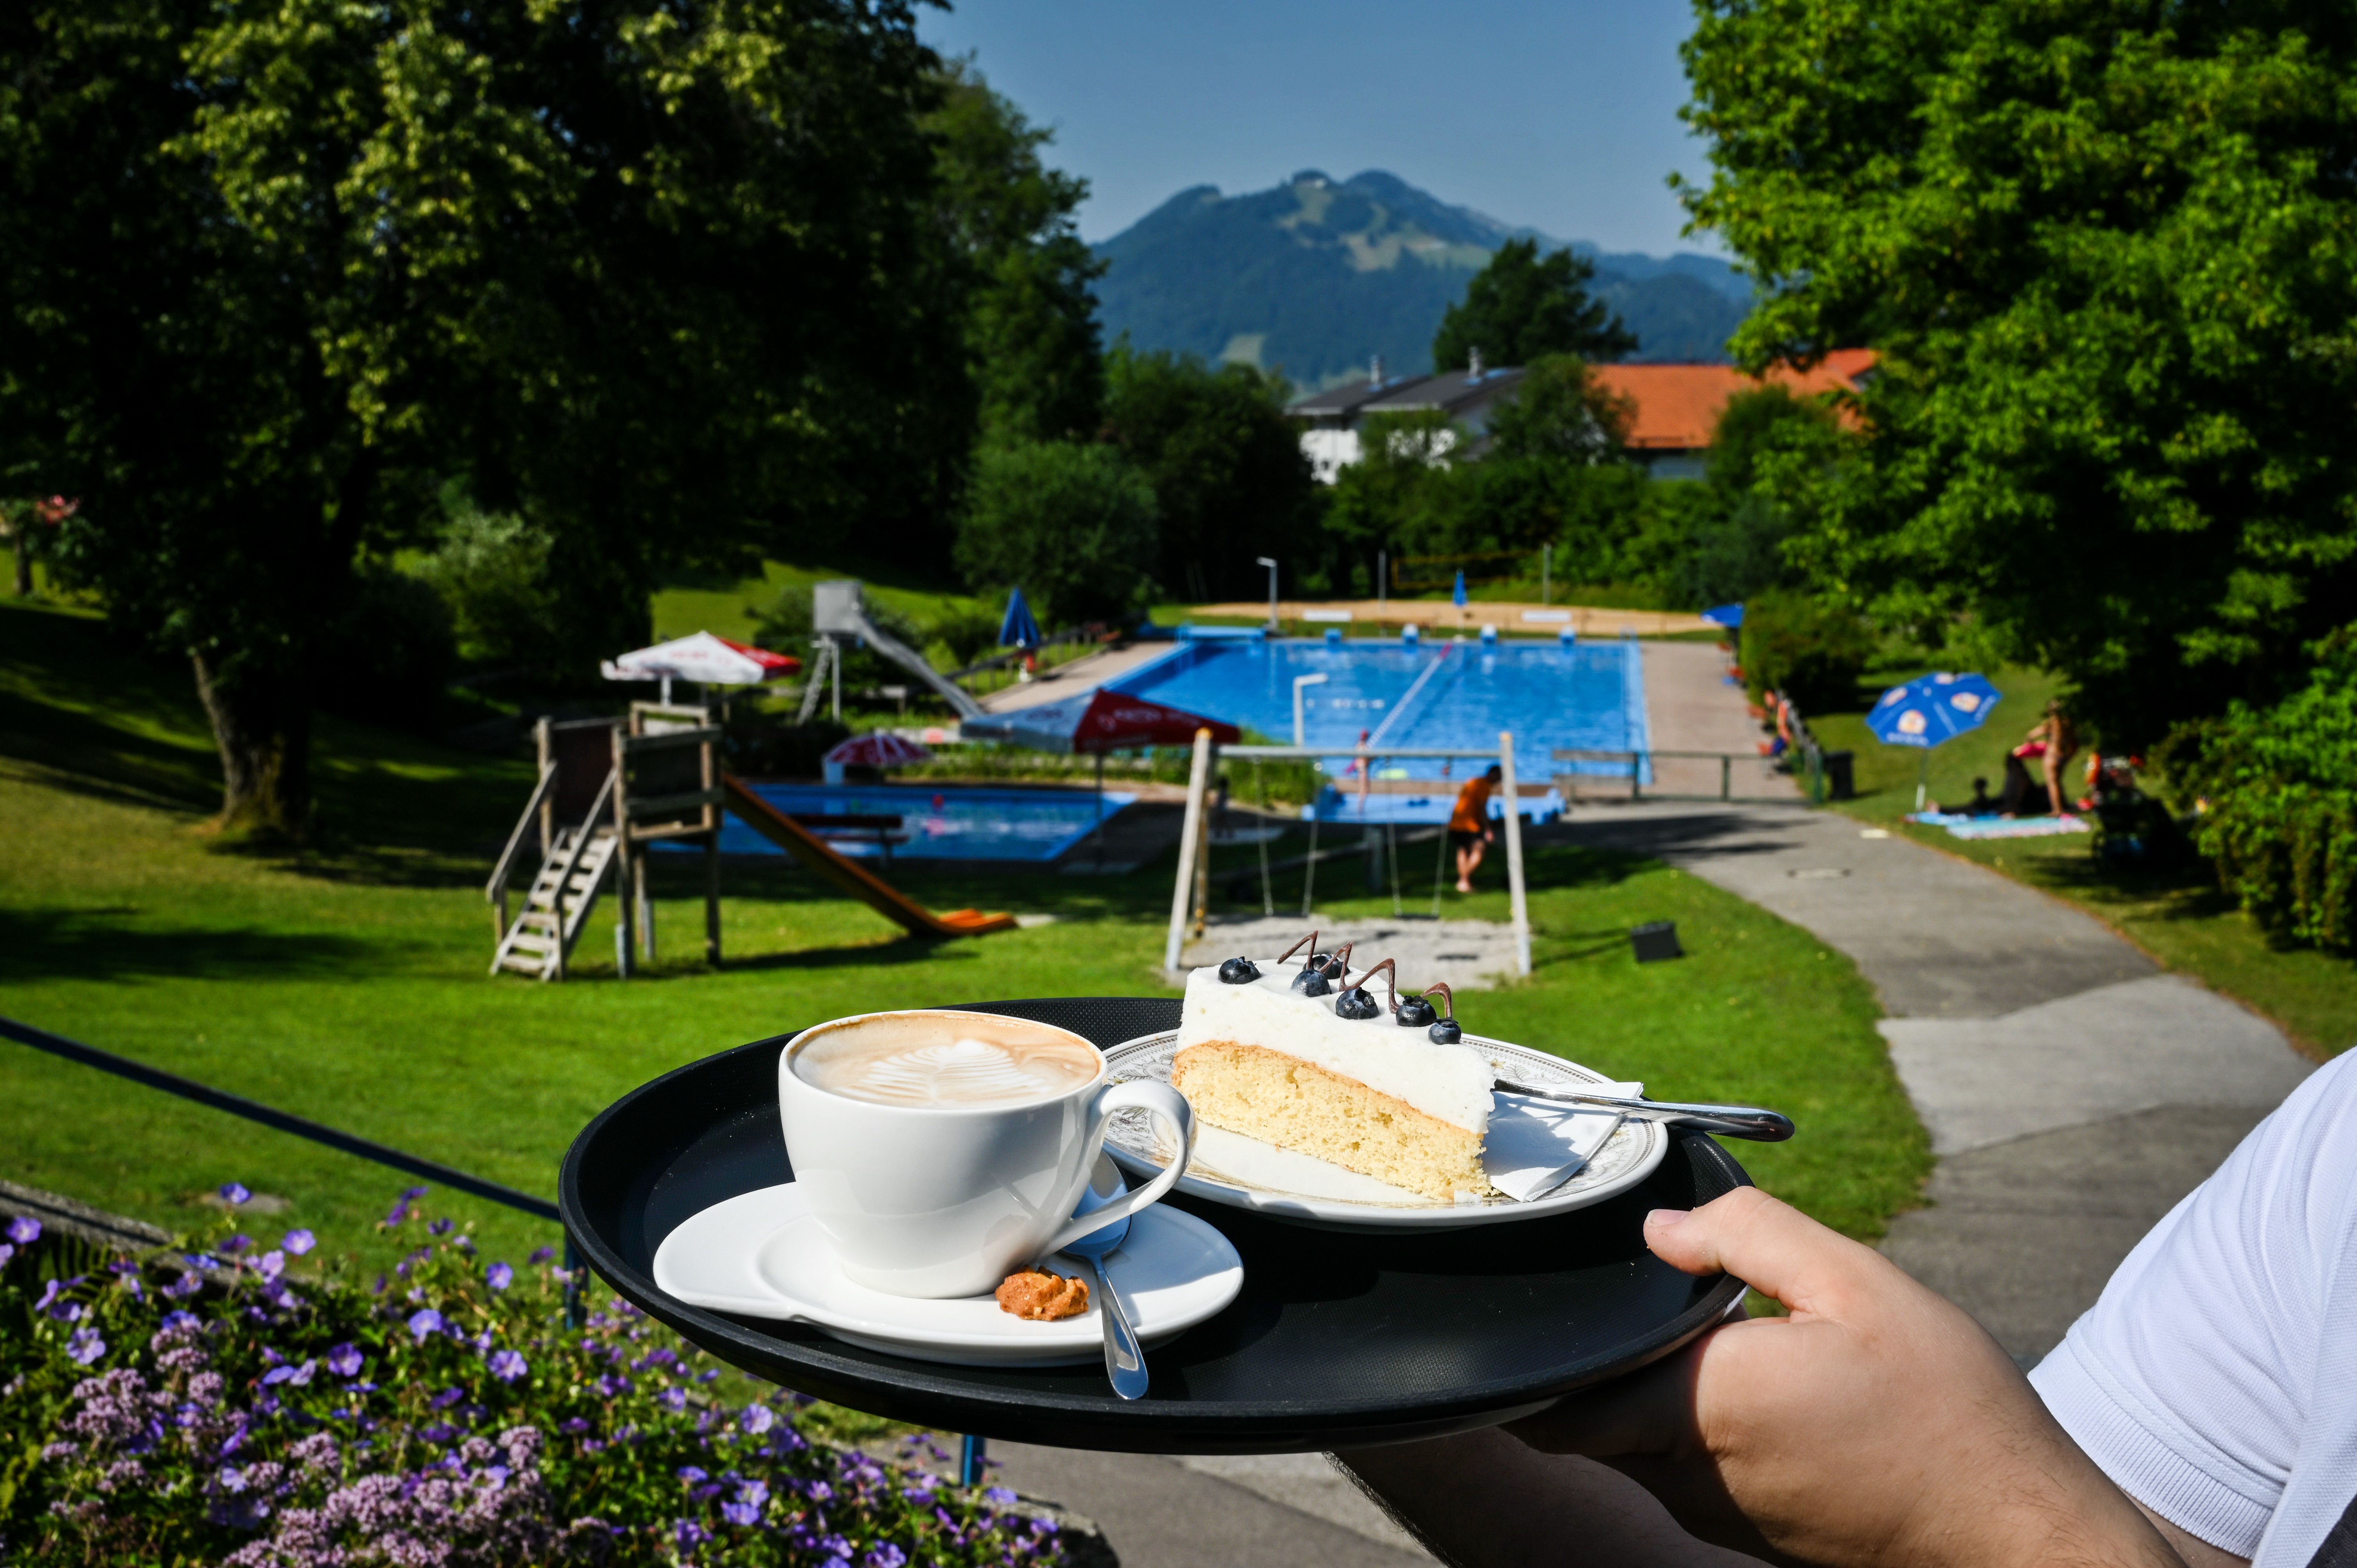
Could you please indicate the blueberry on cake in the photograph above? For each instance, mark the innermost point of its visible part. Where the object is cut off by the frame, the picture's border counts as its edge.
(1301, 1054)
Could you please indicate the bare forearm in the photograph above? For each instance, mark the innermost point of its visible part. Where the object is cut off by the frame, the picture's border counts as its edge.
(1484, 1501)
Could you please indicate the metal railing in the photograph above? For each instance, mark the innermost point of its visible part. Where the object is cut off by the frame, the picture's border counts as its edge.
(310, 1131)
(1640, 763)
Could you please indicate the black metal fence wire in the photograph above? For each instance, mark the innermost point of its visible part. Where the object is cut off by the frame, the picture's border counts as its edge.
(304, 1128)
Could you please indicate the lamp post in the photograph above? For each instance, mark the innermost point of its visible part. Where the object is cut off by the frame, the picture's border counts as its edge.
(1272, 592)
(1299, 682)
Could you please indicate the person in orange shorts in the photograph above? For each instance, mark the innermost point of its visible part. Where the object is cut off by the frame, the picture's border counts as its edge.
(1468, 825)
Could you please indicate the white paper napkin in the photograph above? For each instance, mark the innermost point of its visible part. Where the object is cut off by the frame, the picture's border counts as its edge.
(1536, 1145)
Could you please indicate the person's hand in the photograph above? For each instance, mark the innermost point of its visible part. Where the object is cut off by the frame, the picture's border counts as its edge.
(1878, 1423)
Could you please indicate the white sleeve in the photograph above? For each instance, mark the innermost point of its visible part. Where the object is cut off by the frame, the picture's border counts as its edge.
(2215, 1380)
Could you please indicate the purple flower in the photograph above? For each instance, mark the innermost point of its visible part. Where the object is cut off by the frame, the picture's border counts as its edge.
(507, 1365)
(299, 1241)
(999, 1495)
(423, 1322)
(187, 1286)
(740, 1513)
(499, 1277)
(396, 1214)
(757, 1420)
(237, 1243)
(173, 1321)
(85, 1346)
(7, 1252)
(24, 1230)
(886, 1556)
(50, 1291)
(691, 1473)
(234, 1192)
(448, 1398)
(346, 1361)
(673, 1399)
(689, 1534)
(439, 1228)
(411, 1194)
(273, 1264)
(574, 1426)
(540, 1254)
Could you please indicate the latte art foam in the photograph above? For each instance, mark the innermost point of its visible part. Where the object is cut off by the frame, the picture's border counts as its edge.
(945, 1060)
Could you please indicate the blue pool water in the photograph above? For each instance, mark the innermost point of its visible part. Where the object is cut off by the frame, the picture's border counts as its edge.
(1443, 694)
(959, 823)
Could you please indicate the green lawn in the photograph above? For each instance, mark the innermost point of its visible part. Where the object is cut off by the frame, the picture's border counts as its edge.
(348, 984)
(2179, 918)
(731, 610)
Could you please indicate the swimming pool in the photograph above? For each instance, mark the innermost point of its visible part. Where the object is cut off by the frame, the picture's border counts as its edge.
(1588, 695)
(954, 823)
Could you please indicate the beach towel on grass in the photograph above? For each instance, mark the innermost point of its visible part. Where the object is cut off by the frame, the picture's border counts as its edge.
(1967, 827)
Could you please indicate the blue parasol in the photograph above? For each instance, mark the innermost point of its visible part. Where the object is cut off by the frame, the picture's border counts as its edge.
(1458, 598)
(1728, 616)
(1019, 630)
(1930, 709)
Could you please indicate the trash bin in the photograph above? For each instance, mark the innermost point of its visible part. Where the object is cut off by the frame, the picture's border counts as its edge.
(1655, 940)
(1841, 779)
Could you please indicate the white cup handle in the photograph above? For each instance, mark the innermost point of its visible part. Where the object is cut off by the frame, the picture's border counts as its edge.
(1157, 1100)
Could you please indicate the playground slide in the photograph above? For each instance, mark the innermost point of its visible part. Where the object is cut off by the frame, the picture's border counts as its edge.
(850, 875)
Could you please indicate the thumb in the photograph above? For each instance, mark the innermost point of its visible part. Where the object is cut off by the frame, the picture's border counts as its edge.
(1771, 1246)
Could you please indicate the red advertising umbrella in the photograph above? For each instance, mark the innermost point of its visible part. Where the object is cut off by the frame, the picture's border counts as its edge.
(1098, 721)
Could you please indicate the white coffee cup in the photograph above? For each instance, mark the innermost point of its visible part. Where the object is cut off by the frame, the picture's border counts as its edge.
(939, 1200)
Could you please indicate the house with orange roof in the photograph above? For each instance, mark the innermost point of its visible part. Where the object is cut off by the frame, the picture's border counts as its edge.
(1674, 409)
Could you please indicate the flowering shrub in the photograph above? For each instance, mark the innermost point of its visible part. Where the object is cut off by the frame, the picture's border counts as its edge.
(207, 1405)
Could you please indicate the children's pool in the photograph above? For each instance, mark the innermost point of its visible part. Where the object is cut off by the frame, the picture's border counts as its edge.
(957, 823)
(1588, 696)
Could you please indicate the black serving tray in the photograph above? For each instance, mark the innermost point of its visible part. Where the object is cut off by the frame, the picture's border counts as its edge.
(1339, 1339)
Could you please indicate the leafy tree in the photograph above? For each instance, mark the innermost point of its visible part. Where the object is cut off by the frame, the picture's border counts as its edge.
(1561, 414)
(1523, 306)
(1032, 330)
(1229, 481)
(492, 572)
(273, 273)
(2109, 253)
(1070, 524)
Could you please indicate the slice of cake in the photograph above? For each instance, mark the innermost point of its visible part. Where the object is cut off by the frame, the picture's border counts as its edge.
(1297, 1055)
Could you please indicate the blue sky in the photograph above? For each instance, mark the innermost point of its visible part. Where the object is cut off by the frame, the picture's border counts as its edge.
(1561, 115)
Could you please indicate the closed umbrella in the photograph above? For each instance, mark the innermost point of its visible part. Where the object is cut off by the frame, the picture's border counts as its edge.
(1017, 628)
(1929, 710)
(1458, 598)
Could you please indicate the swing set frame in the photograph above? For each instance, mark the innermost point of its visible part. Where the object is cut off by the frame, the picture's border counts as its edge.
(1190, 891)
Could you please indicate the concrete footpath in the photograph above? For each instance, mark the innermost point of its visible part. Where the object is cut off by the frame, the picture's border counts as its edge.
(2072, 1091)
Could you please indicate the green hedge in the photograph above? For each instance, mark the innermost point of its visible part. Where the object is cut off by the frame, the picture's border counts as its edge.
(2276, 789)
(1814, 652)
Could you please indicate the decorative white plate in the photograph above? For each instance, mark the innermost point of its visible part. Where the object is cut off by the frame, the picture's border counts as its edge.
(1245, 1173)
(760, 1254)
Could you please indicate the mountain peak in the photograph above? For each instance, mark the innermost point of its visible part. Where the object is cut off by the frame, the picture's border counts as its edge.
(1314, 275)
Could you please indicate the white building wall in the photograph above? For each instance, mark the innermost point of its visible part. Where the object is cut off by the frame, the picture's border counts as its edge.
(1329, 451)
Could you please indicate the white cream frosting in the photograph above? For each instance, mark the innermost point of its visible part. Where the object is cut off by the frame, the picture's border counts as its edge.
(1450, 1082)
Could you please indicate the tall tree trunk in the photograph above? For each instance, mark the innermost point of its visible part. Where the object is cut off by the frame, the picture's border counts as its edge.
(262, 722)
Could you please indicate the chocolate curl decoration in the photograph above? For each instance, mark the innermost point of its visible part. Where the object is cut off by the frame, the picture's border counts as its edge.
(1341, 972)
(1309, 942)
(1448, 1000)
(1391, 980)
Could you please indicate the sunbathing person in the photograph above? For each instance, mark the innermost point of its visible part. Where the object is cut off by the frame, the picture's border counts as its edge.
(2052, 741)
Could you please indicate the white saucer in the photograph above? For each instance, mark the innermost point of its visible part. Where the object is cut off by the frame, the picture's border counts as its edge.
(1602, 1153)
(760, 1254)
